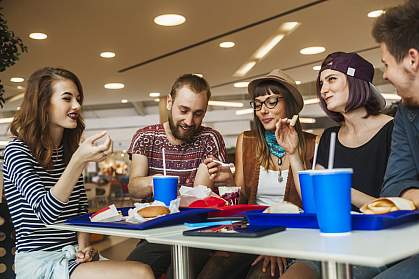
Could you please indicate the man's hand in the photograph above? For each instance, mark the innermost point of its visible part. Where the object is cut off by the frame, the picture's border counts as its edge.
(274, 262)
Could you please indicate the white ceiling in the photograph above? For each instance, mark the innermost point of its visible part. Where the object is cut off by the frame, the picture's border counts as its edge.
(78, 30)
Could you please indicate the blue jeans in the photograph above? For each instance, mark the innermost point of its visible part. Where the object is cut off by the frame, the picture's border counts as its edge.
(406, 269)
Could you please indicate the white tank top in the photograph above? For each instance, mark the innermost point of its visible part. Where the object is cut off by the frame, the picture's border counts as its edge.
(270, 191)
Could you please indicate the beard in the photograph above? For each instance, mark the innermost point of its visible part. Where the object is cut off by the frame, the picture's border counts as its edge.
(179, 133)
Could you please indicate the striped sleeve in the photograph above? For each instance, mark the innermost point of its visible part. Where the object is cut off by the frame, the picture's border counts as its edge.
(19, 168)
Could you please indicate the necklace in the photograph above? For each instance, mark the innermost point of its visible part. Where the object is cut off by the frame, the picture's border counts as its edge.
(276, 150)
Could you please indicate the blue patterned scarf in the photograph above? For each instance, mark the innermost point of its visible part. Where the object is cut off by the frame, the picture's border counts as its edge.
(273, 145)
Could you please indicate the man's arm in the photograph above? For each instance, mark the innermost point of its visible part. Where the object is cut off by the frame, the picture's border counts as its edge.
(401, 175)
(140, 185)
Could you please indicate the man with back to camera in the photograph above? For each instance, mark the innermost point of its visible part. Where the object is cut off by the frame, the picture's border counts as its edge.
(186, 145)
(397, 32)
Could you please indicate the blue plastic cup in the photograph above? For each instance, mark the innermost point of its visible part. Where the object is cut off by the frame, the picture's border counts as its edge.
(306, 185)
(332, 193)
(165, 188)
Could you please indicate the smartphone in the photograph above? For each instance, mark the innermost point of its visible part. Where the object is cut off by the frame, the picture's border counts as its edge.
(238, 229)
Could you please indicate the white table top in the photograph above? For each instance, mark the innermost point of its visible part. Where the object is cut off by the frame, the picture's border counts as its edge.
(370, 248)
(142, 234)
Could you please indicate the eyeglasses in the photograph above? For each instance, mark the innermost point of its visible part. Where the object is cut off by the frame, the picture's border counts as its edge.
(270, 103)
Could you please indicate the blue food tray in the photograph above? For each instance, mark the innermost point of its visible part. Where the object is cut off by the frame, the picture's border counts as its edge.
(187, 215)
(309, 221)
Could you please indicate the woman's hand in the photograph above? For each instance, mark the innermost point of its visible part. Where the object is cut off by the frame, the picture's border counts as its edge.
(89, 151)
(286, 136)
(87, 254)
(219, 173)
(274, 262)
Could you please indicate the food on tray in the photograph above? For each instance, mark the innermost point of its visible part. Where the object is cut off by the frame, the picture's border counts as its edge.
(153, 211)
(209, 202)
(106, 214)
(293, 120)
(283, 207)
(230, 194)
(386, 205)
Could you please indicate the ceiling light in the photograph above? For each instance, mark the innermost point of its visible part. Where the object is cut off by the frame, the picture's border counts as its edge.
(20, 87)
(391, 96)
(227, 44)
(289, 26)
(3, 142)
(376, 13)
(16, 97)
(241, 84)
(307, 120)
(311, 101)
(114, 85)
(244, 69)
(312, 50)
(38, 36)
(199, 75)
(225, 104)
(107, 54)
(6, 120)
(244, 111)
(157, 100)
(298, 82)
(267, 46)
(154, 94)
(18, 108)
(169, 20)
(317, 67)
(124, 101)
(17, 79)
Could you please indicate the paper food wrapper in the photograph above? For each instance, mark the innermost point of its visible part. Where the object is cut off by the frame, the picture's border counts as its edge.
(386, 205)
(107, 214)
(230, 194)
(134, 217)
(283, 207)
(190, 194)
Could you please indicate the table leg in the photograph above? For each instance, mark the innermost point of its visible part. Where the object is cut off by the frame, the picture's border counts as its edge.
(180, 260)
(334, 270)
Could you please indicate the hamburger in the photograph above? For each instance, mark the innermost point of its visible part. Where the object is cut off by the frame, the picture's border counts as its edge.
(153, 211)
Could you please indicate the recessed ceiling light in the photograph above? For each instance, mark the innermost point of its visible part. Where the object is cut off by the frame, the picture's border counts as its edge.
(289, 26)
(244, 111)
(312, 50)
(307, 120)
(298, 82)
(227, 44)
(268, 46)
(124, 101)
(157, 100)
(199, 75)
(244, 69)
(107, 54)
(20, 87)
(241, 84)
(376, 13)
(154, 94)
(114, 85)
(17, 79)
(18, 108)
(38, 36)
(317, 67)
(169, 20)
(225, 104)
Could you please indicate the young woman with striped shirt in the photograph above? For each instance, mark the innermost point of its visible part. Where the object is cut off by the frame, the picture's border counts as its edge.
(43, 182)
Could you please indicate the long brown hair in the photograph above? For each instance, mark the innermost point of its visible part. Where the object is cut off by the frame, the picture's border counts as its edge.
(30, 123)
(263, 154)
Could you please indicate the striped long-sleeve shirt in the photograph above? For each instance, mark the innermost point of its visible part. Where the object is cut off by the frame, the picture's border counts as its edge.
(31, 203)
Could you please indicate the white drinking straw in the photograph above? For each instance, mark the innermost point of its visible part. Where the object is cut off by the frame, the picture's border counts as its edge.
(313, 167)
(332, 150)
(164, 161)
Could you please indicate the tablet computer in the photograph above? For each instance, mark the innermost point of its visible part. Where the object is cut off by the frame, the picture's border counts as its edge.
(233, 230)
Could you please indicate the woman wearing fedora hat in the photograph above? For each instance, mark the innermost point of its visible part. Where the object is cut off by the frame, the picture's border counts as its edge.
(347, 96)
(263, 169)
